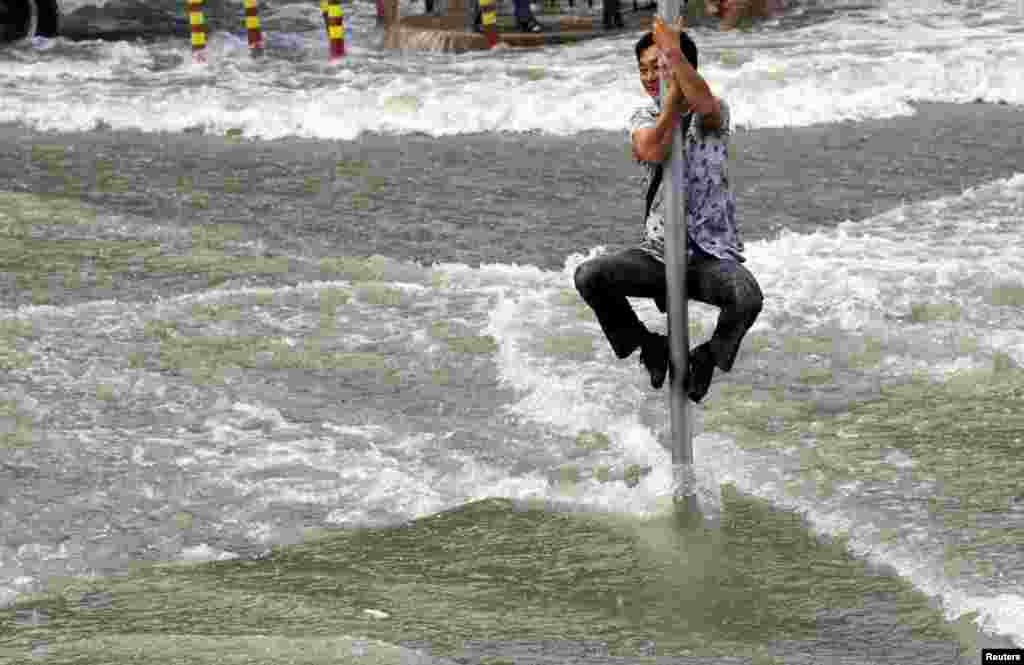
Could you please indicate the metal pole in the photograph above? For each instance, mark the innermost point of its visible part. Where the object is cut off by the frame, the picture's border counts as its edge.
(681, 444)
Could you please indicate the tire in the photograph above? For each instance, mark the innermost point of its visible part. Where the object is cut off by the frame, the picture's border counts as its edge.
(24, 19)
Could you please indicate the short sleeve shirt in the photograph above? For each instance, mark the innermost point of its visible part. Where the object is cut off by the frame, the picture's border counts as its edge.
(710, 203)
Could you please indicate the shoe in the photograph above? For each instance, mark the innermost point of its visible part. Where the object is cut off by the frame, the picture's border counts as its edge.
(530, 25)
(654, 356)
(702, 367)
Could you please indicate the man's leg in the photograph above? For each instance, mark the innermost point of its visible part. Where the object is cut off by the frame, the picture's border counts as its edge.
(606, 281)
(729, 286)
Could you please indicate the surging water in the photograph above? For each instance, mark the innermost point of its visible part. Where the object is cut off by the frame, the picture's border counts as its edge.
(831, 66)
(394, 391)
(216, 424)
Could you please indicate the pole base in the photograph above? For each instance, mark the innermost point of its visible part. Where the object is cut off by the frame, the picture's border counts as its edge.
(687, 511)
(684, 480)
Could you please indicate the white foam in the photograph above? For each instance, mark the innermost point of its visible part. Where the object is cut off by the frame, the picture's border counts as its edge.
(949, 252)
(364, 431)
(914, 559)
(7, 596)
(858, 277)
(610, 403)
(206, 553)
(824, 73)
(387, 468)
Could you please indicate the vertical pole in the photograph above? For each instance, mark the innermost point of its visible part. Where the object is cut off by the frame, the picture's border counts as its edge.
(676, 240)
(197, 23)
(252, 28)
(335, 29)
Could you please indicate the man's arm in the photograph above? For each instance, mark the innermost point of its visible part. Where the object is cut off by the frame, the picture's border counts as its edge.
(693, 86)
(652, 144)
(698, 94)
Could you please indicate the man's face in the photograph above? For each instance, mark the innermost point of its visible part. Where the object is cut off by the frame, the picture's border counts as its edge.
(649, 75)
(649, 71)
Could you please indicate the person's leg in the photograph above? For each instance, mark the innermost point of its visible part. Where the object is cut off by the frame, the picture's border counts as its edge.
(524, 17)
(606, 281)
(729, 286)
(523, 12)
(612, 14)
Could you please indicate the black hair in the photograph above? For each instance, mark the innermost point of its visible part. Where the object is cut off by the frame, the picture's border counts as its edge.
(686, 44)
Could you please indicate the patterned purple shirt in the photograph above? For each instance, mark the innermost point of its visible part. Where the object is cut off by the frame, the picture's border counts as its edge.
(710, 204)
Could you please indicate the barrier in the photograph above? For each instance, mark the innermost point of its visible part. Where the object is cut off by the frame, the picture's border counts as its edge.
(252, 28)
(489, 20)
(433, 30)
(335, 29)
(197, 24)
(331, 10)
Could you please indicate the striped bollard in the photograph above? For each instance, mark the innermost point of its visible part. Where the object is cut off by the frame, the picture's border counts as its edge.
(252, 27)
(335, 29)
(489, 20)
(197, 24)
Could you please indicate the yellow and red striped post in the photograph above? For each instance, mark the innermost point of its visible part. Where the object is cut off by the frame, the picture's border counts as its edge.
(335, 28)
(252, 27)
(197, 22)
(489, 19)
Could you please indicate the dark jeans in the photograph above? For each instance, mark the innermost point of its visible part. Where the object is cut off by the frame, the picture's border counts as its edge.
(523, 13)
(606, 281)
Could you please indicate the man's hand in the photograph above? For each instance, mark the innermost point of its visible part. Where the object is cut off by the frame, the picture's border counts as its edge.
(666, 35)
(652, 144)
(695, 88)
(673, 95)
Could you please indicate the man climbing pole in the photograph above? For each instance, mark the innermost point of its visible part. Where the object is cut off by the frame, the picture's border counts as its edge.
(715, 271)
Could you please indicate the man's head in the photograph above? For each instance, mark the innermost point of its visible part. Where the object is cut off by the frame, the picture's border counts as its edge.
(647, 58)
